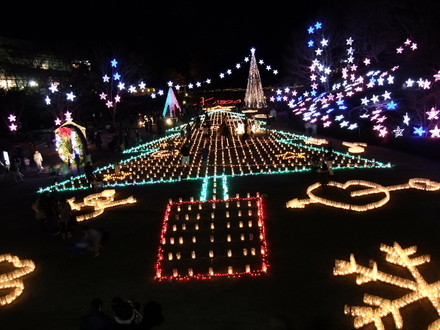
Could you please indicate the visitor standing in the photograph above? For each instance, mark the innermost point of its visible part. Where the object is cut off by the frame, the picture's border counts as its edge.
(204, 155)
(47, 205)
(185, 151)
(38, 159)
(90, 176)
(15, 170)
(64, 212)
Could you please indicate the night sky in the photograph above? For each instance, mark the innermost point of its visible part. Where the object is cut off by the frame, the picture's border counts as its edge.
(217, 34)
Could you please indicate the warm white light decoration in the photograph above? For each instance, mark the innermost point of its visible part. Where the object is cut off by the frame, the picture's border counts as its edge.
(254, 98)
(355, 147)
(379, 307)
(99, 202)
(372, 188)
(12, 279)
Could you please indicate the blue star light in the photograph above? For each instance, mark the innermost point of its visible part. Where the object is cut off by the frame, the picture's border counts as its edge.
(419, 131)
(392, 105)
(114, 63)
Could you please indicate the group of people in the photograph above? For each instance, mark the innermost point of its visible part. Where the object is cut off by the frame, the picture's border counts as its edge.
(125, 315)
(17, 165)
(55, 215)
(323, 165)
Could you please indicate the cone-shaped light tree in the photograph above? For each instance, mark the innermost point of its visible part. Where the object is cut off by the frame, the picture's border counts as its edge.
(254, 98)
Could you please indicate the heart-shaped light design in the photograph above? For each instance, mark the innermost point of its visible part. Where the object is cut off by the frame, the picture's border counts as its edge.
(371, 188)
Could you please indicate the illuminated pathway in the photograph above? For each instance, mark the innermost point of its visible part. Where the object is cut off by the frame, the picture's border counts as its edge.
(158, 161)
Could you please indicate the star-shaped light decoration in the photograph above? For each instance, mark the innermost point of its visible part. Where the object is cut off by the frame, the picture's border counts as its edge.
(419, 131)
(47, 100)
(57, 122)
(68, 116)
(114, 63)
(12, 117)
(53, 88)
(435, 133)
(70, 96)
(398, 131)
(432, 114)
(116, 76)
(105, 78)
(406, 119)
(142, 85)
(13, 127)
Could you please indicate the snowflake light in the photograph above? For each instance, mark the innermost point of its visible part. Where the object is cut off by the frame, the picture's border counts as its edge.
(380, 307)
(12, 279)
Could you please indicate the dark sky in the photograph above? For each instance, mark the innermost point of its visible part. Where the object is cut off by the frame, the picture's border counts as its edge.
(210, 31)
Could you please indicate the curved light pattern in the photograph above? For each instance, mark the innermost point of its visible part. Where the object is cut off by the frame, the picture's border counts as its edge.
(12, 279)
(99, 202)
(380, 307)
(372, 188)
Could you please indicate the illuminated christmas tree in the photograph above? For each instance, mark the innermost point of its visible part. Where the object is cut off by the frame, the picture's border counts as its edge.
(254, 98)
(171, 104)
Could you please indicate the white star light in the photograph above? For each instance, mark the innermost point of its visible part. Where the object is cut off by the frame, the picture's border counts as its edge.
(432, 114)
(47, 100)
(105, 78)
(57, 121)
(142, 85)
(435, 133)
(398, 131)
(102, 96)
(132, 89)
(70, 96)
(406, 119)
(53, 88)
(68, 116)
(12, 117)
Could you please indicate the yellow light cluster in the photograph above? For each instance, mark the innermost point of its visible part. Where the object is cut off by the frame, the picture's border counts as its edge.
(99, 202)
(11, 279)
(355, 147)
(121, 176)
(372, 188)
(315, 141)
(382, 307)
(301, 203)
